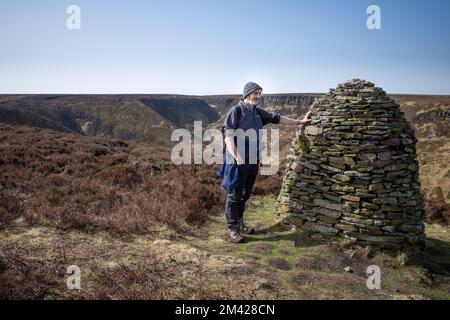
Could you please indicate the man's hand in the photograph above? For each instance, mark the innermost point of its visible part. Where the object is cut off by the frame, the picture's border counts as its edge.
(239, 160)
(307, 115)
(306, 119)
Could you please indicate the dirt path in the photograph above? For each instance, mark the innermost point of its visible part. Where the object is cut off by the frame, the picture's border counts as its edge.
(275, 263)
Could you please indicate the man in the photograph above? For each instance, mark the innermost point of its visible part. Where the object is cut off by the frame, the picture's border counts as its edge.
(247, 116)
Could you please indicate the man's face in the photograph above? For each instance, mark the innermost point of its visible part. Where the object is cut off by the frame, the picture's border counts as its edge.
(254, 97)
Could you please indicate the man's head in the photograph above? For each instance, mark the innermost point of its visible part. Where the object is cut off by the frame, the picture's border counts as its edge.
(252, 93)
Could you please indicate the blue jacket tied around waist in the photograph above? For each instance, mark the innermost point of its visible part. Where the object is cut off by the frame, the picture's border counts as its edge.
(229, 172)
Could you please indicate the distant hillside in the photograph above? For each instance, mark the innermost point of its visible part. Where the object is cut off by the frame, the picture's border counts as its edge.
(221, 103)
(430, 115)
(29, 118)
(146, 118)
(182, 111)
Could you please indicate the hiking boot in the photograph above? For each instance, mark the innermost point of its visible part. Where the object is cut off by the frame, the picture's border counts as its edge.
(245, 229)
(235, 237)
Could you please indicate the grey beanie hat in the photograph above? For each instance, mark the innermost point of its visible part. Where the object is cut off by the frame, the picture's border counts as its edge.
(250, 87)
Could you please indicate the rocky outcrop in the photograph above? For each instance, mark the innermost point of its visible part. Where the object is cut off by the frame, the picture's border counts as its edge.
(294, 100)
(353, 172)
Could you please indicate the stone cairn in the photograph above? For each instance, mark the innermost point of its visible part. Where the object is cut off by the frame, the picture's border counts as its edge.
(353, 172)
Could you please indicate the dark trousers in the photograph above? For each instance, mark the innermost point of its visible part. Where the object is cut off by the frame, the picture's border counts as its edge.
(235, 204)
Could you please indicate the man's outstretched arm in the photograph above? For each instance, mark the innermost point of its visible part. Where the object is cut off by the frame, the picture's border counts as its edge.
(303, 122)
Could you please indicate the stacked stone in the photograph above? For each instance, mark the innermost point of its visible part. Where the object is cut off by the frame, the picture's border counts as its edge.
(353, 172)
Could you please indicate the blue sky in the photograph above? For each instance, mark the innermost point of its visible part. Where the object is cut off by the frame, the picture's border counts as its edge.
(216, 46)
